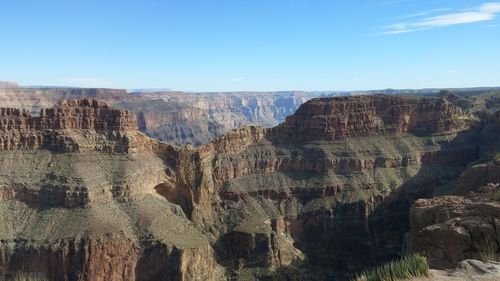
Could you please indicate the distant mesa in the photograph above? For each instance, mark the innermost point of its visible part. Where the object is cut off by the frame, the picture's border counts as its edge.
(8, 84)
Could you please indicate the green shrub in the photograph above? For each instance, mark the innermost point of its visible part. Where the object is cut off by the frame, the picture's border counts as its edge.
(405, 268)
(496, 195)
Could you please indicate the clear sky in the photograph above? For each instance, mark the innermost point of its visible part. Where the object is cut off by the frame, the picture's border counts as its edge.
(222, 45)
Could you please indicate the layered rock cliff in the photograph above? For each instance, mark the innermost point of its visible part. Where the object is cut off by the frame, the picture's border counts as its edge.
(335, 180)
(78, 199)
(176, 117)
(55, 128)
(197, 118)
(322, 195)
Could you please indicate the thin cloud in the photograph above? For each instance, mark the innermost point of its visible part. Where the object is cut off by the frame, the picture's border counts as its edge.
(484, 12)
(425, 13)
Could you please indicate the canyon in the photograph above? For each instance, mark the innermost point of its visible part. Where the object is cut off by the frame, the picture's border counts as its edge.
(176, 117)
(326, 187)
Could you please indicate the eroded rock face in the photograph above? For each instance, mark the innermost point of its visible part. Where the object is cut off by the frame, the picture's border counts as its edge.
(328, 191)
(78, 199)
(340, 174)
(197, 118)
(72, 125)
(322, 119)
(450, 229)
(175, 117)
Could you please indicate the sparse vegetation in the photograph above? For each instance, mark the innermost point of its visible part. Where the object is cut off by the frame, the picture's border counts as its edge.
(497, 194)
(22, 276)
(408, 267)
(486, 250)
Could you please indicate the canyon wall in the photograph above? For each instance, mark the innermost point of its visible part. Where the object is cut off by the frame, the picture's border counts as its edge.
(175, 117)
(53, 128)
(335, 180)
(197, 118)
(323, 195)
(465, 225)
(78, 199)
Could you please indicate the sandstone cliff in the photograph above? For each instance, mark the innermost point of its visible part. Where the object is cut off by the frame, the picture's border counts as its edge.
(197, 118)
(176, 117)
(322, 195)
(78, 199)
(335, 180)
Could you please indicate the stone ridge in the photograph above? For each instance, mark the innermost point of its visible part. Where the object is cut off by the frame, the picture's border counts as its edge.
(55, 127)
(337, 118)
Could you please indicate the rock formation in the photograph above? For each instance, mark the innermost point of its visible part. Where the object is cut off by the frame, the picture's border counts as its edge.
(467, 270)
(86, 196)
(8, 84)
(175, 117)
(78, 200)
(197, 118)
(450, 229)
(337, 178)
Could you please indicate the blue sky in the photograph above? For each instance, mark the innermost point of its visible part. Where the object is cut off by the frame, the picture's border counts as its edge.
(216, 45)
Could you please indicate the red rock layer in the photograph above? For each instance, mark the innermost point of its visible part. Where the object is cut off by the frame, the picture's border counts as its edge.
(20, 130)
(324, 120)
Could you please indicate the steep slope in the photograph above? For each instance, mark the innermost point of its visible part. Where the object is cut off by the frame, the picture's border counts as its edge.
(322, 195)
(333, 183)
(78, 199)
(449, 229)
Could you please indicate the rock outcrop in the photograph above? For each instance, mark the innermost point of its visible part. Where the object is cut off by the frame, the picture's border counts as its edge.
(450, 229)
(64, 127)
(322, 120)
(197, 118)
(467, 270)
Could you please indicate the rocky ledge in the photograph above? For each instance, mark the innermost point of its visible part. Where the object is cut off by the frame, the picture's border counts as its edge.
(450, 229)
